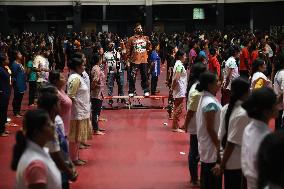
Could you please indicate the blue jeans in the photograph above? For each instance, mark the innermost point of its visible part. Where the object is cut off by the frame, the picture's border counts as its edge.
(119, 77)
(193, 158)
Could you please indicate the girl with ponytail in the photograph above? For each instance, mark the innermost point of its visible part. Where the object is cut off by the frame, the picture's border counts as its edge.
(234, 119)
(190, 121)
(34, 167)
(207, 124)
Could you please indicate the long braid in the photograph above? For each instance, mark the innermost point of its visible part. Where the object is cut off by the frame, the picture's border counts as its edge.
(239, 88)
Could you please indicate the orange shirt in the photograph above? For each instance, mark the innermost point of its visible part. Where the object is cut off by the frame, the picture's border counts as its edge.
(137, 49)
(254, 56)
(214, 65)
(244, 57)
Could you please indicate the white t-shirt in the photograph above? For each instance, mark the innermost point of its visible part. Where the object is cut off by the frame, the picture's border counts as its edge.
(231, 63)
(237, 123)
(79, 91)
(253, 135)
(207, 149)
(86, 78)
(111, 58)
(41, 62)
(255, 78)
(54, 145)
(192, 104)
(279, 85)
(180, 90)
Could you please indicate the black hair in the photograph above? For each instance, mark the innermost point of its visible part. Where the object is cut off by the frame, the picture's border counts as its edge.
(97, 59)
(54, 76)
(279, 62)
(171, 47)
(45, 48)
(74, 62)
(205, 79)
(97, 47)
(155, 44)
(77, 55)
(14, 54)
(246, 42)
(3, 57)
(256, 64)
(233, 50)
(137, 24)
(48, 98)
(212, 51)
(239, 88)
(34, 121)
(259, 100)
(179, 54)
(196, 70)
(270, 160)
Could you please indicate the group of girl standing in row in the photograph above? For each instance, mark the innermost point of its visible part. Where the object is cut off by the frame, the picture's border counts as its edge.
(226, 140)
(60, 116)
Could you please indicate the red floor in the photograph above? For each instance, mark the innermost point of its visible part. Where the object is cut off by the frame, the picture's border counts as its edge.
(138, 152)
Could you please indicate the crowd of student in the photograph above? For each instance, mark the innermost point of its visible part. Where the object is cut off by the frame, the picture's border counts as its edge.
(248, 69)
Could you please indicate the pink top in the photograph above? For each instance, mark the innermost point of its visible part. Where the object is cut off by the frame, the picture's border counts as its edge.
(36, 173)
(65, 109)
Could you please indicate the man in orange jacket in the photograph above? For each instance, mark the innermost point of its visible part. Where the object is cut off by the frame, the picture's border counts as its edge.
(137, 56)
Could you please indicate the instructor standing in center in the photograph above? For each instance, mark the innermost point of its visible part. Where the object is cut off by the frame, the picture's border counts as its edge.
(137, 56)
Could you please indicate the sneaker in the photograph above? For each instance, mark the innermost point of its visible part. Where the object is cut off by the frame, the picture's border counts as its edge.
(146, 94)
(131, 94)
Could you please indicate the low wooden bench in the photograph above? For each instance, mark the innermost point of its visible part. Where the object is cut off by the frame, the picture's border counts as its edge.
(139, 98)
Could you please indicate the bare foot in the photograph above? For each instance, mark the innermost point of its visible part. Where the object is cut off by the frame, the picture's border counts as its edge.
(102, 119)
(99, 133)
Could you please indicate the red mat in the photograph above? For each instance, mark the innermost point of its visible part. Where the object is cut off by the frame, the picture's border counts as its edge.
(138, 151)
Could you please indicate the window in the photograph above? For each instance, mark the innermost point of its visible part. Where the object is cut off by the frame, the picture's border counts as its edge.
(198, 14)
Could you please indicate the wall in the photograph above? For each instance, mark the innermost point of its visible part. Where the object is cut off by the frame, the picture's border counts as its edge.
(121, 2)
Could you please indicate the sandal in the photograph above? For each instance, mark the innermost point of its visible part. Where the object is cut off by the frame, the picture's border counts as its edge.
(4, 134)
(79, 163)
(99, 133)
(84, 161)
(81, 147)
(85, 144)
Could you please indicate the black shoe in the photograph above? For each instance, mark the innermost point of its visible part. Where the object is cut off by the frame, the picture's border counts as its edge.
(123, 101)
(110, 102)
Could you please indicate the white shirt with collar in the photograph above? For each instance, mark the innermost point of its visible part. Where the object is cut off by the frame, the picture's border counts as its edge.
(237, 124)
(32, 153)
(192, 105)
(253, 135)
(207, 149)
(81, 106)
(231, 63)
(180, 90)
